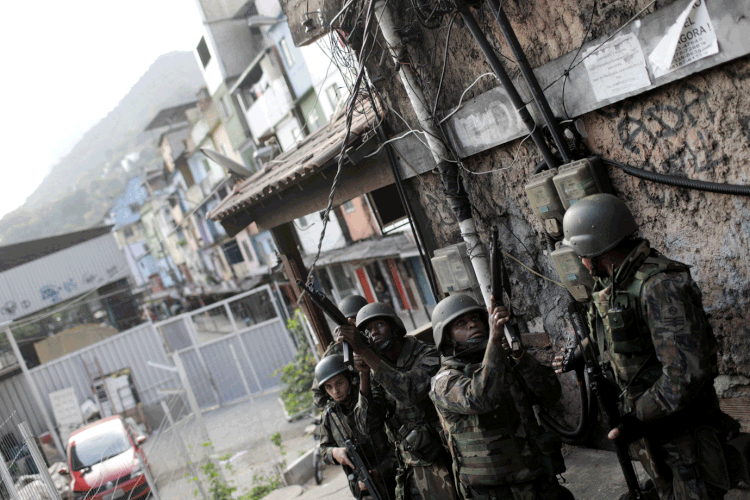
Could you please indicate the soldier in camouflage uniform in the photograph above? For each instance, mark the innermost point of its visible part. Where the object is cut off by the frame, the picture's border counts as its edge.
(402, 367)
(339, 423)
(653, 338)
(484, 395)
(349, 307)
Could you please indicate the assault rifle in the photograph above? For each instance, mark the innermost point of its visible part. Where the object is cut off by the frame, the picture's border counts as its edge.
(607, 396)
(324, 303)
(500, 283)
(361, 471)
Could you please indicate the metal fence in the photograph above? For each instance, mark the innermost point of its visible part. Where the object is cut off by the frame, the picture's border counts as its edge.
(232, 348)
(25, 474)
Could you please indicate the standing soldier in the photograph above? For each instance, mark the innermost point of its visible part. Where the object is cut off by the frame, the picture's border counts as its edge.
(403, 366)
(652, 334)
(484, 395)
(339, 423)
(349, 307)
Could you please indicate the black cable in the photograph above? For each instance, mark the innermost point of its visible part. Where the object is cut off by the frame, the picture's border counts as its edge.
(572, 61)
(671, 180)
(445, 61)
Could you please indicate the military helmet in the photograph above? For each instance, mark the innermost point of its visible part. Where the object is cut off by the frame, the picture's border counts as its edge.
(329, 367)
(351, 305)
(596, 224)
(449, 309)
(380, 310)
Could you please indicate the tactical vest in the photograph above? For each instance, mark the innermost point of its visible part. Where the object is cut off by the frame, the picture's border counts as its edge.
(492, 449)
(622, 333)
(414, 429)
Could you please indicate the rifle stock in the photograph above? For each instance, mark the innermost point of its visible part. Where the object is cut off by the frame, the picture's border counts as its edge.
(361, 472)
(607, 398)
(329, 308)
(497, 289)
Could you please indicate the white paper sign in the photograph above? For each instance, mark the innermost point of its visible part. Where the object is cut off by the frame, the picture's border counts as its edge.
(66, 411)
(617, 68)
(691, 37)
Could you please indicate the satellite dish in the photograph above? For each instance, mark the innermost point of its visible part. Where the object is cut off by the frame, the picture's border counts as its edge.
(227, 163)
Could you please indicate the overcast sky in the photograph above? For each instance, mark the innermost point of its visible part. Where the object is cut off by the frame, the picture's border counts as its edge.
(69, 63)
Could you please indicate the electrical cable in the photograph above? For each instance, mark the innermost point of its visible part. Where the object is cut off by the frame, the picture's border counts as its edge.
(672, 180)
(566, 73)
(349, 117)
(445, 62)
(583, 41)
(458, 106)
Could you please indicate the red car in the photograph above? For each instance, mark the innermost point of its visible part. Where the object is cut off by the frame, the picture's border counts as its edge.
(104, 462)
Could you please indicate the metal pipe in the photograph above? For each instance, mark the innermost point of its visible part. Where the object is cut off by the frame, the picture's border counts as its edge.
(448, 169)
(41, 466)
(35, 393)
(507, 83)
(528, 74)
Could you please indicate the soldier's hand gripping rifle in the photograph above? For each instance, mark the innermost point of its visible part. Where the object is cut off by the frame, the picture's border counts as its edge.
(607, 396)
(500, 284)
(324, 303)
(361, 471)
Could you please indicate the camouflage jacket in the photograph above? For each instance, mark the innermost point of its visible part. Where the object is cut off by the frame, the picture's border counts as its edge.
(337, 425)
(679, 348)
(486, 410)
(403, 404)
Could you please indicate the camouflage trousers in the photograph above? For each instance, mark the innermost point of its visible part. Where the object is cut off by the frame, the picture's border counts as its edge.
(687, 467)
(429, 482)
(546, 488)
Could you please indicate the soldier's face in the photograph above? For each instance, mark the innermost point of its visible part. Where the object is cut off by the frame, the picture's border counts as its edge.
(338, 387)
(468, 326)
(379, 331)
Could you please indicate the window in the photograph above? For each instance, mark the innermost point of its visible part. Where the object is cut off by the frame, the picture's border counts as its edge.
(313, 120)
(286, 53)
(225, 106)
(248, 252)
(349, 207)
(304, 223)
(203, 53)
(333, 95)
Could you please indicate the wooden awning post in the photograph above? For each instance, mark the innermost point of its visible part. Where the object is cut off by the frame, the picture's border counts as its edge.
(294, 268)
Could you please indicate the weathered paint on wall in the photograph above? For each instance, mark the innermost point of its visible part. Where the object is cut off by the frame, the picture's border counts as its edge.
(698, 127)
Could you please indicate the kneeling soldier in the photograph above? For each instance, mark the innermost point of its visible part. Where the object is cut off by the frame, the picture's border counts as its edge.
(485, 397)
(339, 423)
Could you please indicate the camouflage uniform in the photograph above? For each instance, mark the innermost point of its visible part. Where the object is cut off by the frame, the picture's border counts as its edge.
(653, 336)
(411, 422)
(499, 451)
(337, 425)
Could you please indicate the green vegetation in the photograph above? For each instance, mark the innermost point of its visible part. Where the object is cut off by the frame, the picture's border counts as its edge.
(297, 376)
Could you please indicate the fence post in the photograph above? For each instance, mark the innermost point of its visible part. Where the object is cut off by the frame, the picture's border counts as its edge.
(7, 480)
(28, 437)
(184, 449)
(242, 373)
(193, 403)
(35, 392)
(149, 478)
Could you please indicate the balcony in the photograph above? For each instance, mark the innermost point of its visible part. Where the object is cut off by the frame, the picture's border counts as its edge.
(270, 108)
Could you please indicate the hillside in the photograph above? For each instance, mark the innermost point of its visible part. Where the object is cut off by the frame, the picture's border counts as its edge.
(80, 188)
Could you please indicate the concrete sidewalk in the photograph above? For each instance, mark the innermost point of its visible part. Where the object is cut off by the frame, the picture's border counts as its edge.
(591, 475)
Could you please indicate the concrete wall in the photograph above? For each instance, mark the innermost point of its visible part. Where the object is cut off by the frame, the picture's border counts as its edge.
(360, 221)
(698, 127)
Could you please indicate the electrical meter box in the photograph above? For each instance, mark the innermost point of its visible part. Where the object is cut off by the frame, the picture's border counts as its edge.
(545, 201)
(573, 274)
(455, 273)
(581, 178)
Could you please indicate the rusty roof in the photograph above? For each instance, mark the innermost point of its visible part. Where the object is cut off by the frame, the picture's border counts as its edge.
(293, 166)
